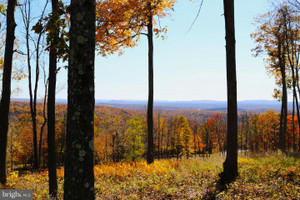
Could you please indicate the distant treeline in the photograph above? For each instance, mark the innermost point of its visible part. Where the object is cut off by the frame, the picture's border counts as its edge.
(120, 134)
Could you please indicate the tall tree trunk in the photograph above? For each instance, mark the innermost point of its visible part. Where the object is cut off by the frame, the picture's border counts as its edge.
(150, 149)
(230, 171)
(32, 110)
(6, 86)
(291, 50)
(79, 162)
(283, 124)
(298, 112)
(36, 164)
(11, 152)
(52, 160)
(158, 136)
(42, 128)
(26, 13)
(282, 144)
(293, 124)
(295, 101)
(247, 132)
(297, 104)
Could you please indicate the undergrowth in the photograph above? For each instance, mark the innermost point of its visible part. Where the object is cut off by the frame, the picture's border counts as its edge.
(268, 177)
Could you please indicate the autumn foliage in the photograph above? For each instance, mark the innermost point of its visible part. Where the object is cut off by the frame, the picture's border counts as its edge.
(120, 23)
(120, 134)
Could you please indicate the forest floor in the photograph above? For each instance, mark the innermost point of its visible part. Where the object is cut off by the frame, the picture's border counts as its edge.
(261, 177)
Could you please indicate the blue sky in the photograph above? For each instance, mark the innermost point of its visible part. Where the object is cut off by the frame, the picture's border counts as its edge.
(189, 65)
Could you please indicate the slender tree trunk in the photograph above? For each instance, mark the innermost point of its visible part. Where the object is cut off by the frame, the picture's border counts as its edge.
(42, 128)
(230, 171)
(162, 140)
(247, 132)
(293, 123)
(32, 112)
(297, 104)
(158, 136)
(52, 160)
(150, 149)
(282, 144)
(26, 12)
(295, 101)
(293, 58)
(283, 126)
(241, 133)
(298, 112)
(11, 152)
(79, 162)
(6, 86)
(281, 117)
(42, 131)
(36, 163)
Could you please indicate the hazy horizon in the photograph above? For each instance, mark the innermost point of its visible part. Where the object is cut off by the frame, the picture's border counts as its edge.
(211, 100)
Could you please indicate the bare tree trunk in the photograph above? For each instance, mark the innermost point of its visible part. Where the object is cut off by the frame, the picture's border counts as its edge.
(247, 133)
(282, 145)
(293, 58)
(11, 152)
(297, 102)
(293, 124)
(79, 162)
(150, 149)
(26, 18)
(6, 86)
(52, 160)
(158, 136)
(230, 171)
(283, 125)
(36, 163)
(26, 14)
(43, 125)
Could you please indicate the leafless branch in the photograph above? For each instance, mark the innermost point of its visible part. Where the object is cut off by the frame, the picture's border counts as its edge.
(198, 13)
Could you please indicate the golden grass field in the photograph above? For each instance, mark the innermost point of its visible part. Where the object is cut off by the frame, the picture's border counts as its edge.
(261, 177)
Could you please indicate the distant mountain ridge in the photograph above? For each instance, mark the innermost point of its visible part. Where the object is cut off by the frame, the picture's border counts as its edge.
(208, 105)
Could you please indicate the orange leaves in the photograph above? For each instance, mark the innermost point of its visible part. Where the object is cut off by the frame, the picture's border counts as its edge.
(292, 131)
(277, 37)
(120, 23)
(215, 125)
(113, 29)
(265, 131)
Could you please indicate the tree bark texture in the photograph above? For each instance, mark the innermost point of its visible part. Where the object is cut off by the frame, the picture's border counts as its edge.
(52, 160)
(79, 162)
(6, 86)
(230, 171)
(283, 124)
(150, 149)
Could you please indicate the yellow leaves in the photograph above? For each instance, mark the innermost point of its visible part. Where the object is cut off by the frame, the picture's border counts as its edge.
(160, 33)
(122, 169)
(13, 175)
(17, 71)
(121, 22)
(269, 177)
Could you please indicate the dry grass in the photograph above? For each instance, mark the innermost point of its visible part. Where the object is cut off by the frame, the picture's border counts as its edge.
(268, 177)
